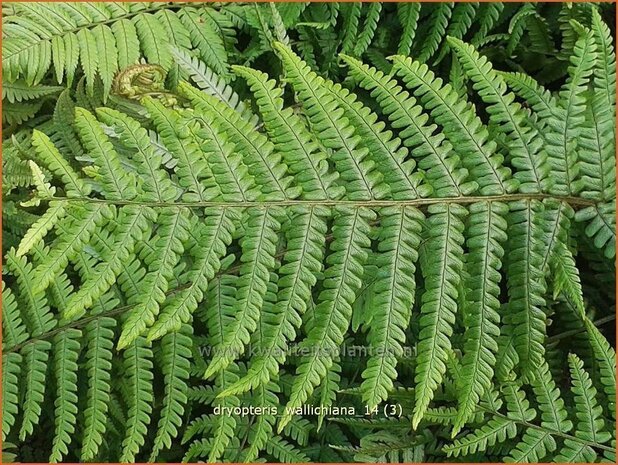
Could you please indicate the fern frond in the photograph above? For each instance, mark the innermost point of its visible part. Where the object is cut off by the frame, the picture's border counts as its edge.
(99, 334)
(564, 124)
(408, 15)
(436, 27)
(166, 251)
(332, 129)
(131, 228)
(342, 280)
(461, 126)
(526, 284)
(256, 149)
(486, 233)
(439, 302)
(66, 352)
(364, 38)
(497, 430)
(534, 446)
(117, 183)
(155, 183)
(210, 247)
(395, 284)
(525, 149)
(11, 370)
(301, 264)
(442, 169)
(83, 221)
(175, 355)
(285, 452)
(210, 82)
(259, 248)
(20, 91)
(138, 366)
(590, 424)
(606, 358)
(300, 153)
(549, 399)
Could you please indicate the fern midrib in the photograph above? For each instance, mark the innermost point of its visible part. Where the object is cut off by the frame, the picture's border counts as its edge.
(572, 200)
(547, 430)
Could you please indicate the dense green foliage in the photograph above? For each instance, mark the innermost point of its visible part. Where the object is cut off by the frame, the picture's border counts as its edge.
(405, 210)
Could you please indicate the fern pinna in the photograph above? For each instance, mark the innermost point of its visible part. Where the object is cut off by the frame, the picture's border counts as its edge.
(192, 244)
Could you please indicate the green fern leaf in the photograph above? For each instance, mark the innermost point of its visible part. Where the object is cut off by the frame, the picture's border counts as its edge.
(138, 366)
(334, 310)
(176, 352)
(166, 251)
(526, 284)
(486, 233)
(439, 301)
(259, 248)
(395, 284)
(66, 352)
(524, 145)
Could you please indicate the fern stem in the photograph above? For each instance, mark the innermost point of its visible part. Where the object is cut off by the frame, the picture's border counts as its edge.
(575, 201)
(549, 431)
